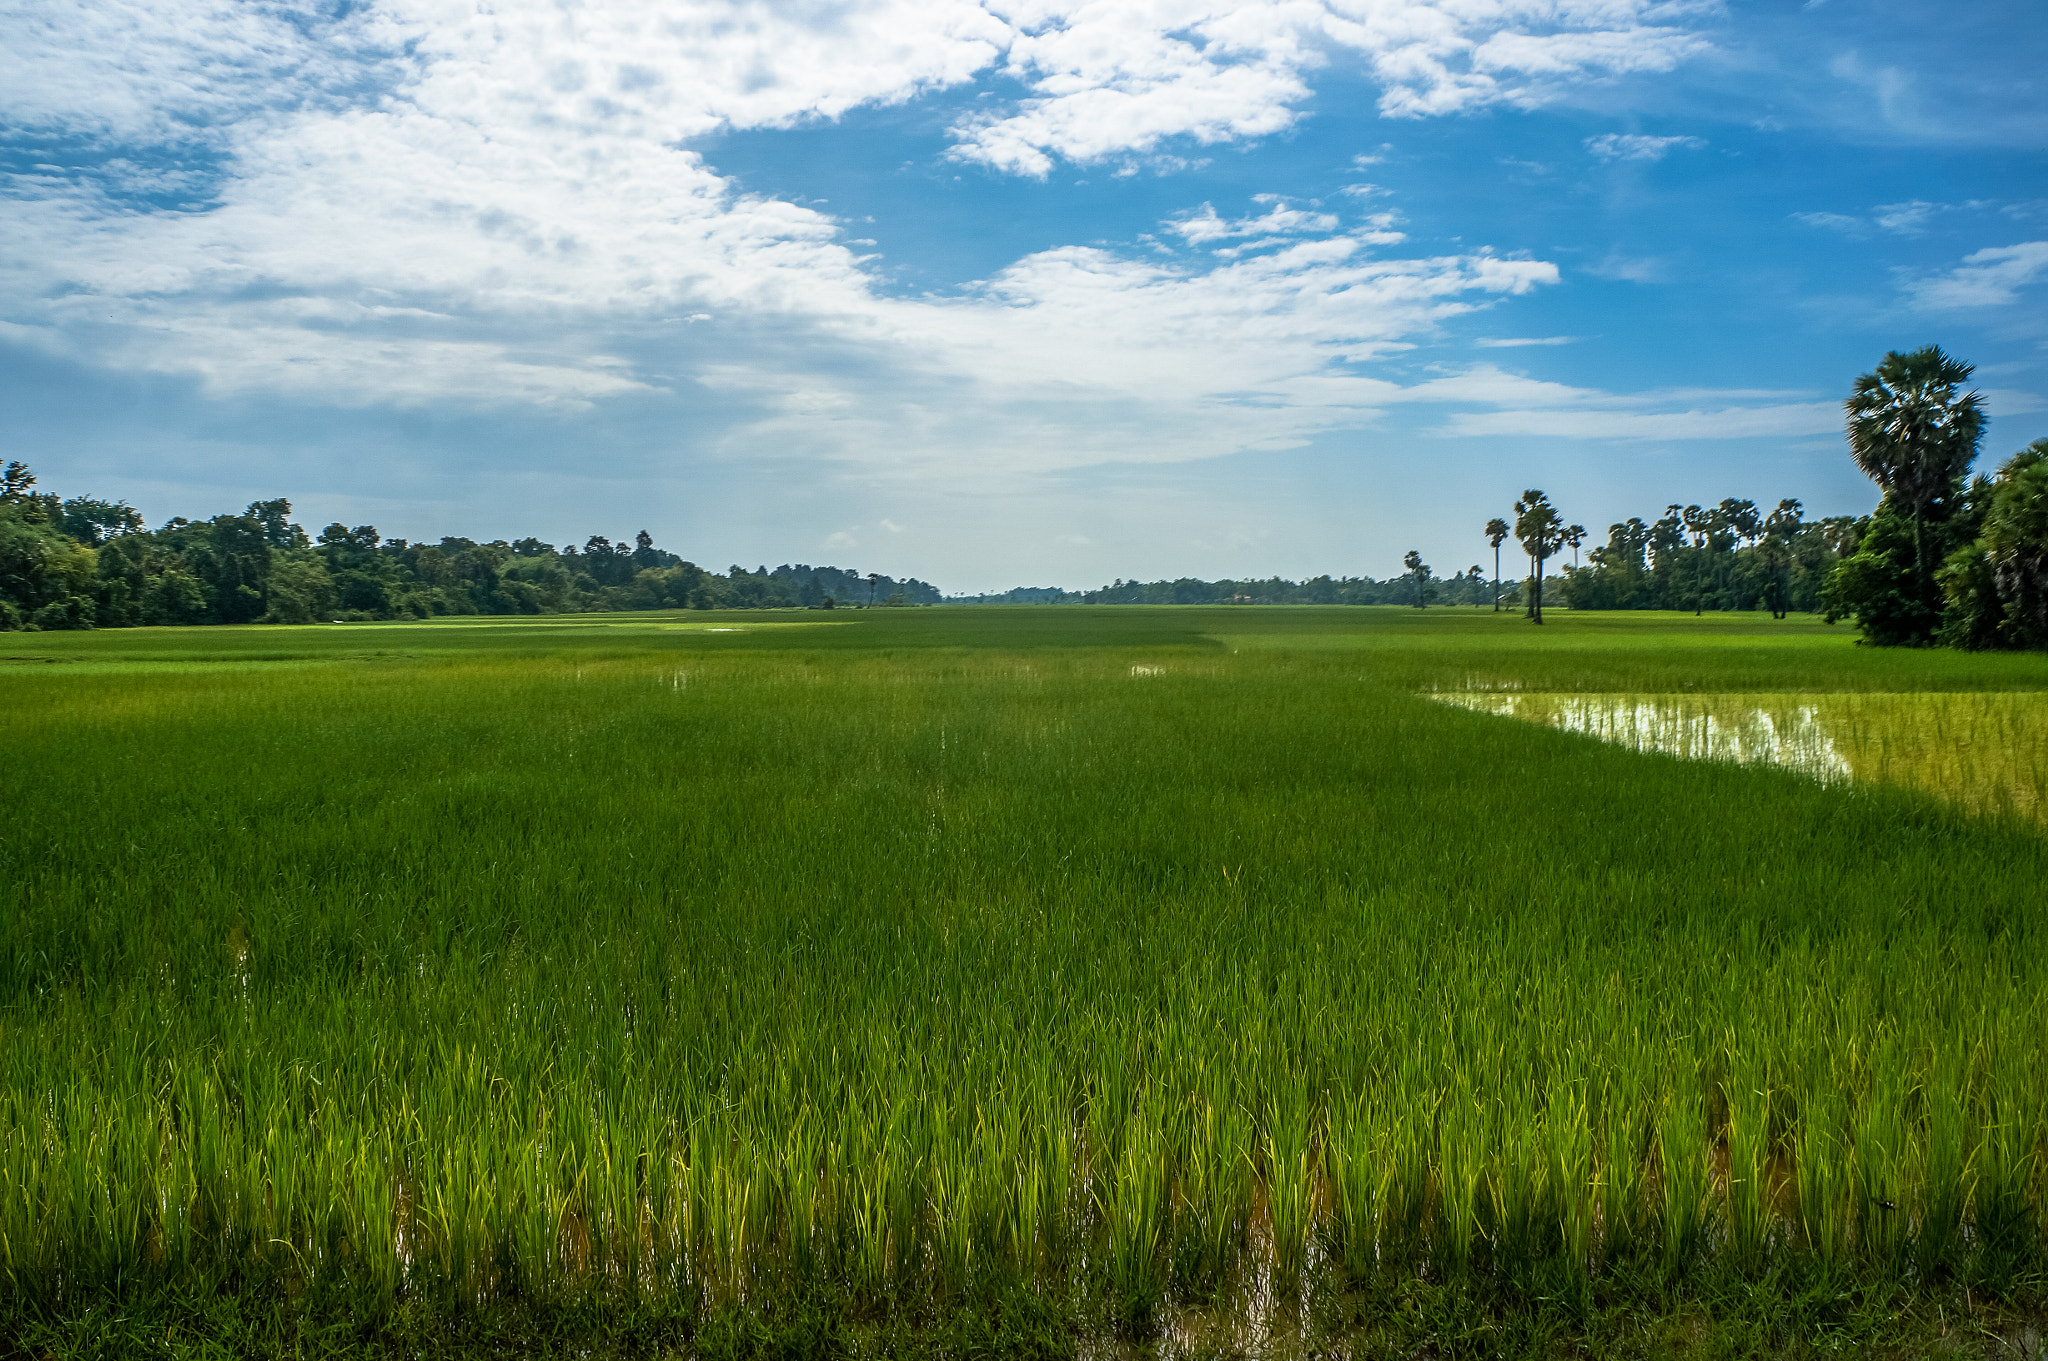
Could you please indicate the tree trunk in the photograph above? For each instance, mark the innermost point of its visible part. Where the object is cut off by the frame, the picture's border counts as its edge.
(1919, 553)
(1496, 578)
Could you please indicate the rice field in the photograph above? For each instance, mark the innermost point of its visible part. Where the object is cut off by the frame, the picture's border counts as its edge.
(1173, 982)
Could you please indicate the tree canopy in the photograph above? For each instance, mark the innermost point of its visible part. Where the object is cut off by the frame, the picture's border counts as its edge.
(84, 562)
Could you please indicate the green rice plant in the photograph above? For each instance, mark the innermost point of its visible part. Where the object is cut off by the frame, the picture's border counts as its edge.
(1291, 1158)
(2008, 1112)
(1131, 1197)
(1943, 1173)
(1464, 1166)
(1567, 1125)
(1749, 1146)
(1889, 1158)
(1624, 1152)
(1824, 1173)
(1212, 1202)
(1685, 1170)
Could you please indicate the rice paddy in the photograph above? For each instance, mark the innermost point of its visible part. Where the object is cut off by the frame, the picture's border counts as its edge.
(954, 981)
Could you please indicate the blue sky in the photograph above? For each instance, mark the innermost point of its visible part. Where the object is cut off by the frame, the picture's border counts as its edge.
(999, 294)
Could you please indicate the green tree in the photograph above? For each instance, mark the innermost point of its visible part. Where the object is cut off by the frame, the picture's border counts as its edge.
(2016, 541)
(1418, 572)
(1780, 531)
(15, 483)
(1996, 588)
(1541, 531)
(47, 580)
(1699, 524)
(93, 522)
(1496, 534)
(1913, 431)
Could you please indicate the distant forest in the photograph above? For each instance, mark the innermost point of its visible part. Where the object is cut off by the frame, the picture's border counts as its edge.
(1462, 588)
(85, 563)
(1727, 557)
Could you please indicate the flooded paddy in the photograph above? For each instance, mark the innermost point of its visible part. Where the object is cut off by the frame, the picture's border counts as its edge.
(1985, 751)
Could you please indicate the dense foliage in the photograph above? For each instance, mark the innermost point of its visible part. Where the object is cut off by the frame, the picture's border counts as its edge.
(1461, 588)
(1727, 557)
(84, 563)
(1944, 559)
(1995, 586)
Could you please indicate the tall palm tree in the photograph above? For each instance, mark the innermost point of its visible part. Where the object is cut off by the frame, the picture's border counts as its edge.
(1780, 528)
(1700, 524)
(1541, 530)
(1912, 434)
(1418, 572)
(1496, 534)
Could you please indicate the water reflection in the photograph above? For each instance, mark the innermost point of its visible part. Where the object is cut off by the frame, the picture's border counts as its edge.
(1701, 728)
(1987, 751)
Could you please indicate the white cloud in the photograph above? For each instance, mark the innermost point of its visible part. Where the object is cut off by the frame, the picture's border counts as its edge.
(1791, 419)
(1850, 226)
(1518, 342)
(1628, 146)
(1988, 278)
(1628, 268)
(1107, 77)
(1523, 406)
(2012, 402)
(422, 202)
(1907, 219)
(1201, 227)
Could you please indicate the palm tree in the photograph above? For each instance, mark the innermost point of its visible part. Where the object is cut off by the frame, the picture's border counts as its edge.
(1541, 530)
(1700, 524)
(1573, 537)
(1912, 434)
(873, 579)
(1475, 573)
(1418, 572)
(1496, 534)
(1780, 528)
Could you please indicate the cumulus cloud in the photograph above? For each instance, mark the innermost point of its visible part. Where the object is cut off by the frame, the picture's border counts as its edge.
(1988, 278)
(416, 201)
(1107, 78)
(1629, 146)
(1203, 226)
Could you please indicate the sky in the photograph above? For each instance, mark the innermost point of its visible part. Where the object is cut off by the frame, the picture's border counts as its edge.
(1049, 292)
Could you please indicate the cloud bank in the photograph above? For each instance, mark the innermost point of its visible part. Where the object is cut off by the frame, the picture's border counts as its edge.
(423, 201)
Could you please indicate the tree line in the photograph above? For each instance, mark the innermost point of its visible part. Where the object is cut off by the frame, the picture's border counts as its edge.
(1945, 558)
(1468, 587)
(1732, 556)
(86, 563)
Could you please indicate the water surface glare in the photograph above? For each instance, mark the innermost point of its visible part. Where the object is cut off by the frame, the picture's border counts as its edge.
(1983, 750)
